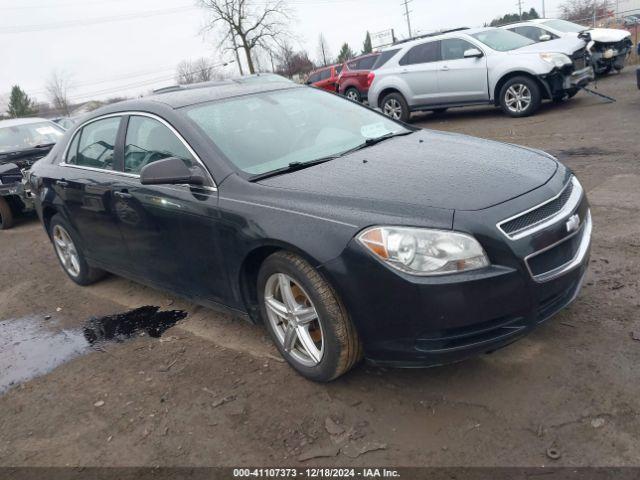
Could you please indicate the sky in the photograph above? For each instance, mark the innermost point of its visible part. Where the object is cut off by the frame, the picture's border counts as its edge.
(111, 48)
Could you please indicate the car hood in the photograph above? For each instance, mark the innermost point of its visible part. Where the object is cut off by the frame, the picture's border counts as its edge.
(607, 35)
(428, 169)
(566, 45)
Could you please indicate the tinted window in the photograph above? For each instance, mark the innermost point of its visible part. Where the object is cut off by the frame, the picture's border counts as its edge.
(533, 33)
(97, 141)
(313, 78)
(384, 57)
(423, 53)
(352, 65)
(454, 48)
(325, 74)
(338, 70)
(366, 63)
(148, 141)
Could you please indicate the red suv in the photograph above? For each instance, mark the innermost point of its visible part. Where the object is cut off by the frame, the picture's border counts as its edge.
(353, 81)
(325, 78)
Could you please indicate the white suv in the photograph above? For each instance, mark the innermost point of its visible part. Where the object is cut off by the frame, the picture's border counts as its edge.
(475, 67)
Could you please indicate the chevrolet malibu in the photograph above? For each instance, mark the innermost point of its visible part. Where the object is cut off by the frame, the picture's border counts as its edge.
(346, 233)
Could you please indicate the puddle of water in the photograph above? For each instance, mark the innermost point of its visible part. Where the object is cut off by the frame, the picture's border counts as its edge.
(30, 347)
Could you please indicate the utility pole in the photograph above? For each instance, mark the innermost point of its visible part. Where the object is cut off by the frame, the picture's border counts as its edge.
(406, 13)
(544, 13)
(520, 9)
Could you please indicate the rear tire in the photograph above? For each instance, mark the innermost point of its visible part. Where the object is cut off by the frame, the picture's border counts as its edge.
(6, 214)
(395, 106)
(353, 94)
(70, 255)
(323, 343)
(520, 97)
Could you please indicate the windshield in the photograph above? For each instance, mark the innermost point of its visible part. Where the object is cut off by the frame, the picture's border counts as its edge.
(564, 26)
(271, 130)
(502, 40)
(21, 137)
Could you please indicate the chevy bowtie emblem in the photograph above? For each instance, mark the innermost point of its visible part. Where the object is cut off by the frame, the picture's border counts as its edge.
(573, 223)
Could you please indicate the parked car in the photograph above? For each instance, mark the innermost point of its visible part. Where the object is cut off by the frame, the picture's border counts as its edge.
(65, 122)
(346, 233)
(353, 80)
(631, 20)
(325, 78)
(478, 67)
(22, 142)
(608, 48)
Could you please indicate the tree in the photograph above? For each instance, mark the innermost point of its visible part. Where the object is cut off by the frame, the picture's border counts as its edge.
(514, 17)
(367, 47)
(249, 25)
(200, 70)
(20, 105)
(58, 89)
(584, 11)
(292, 63)
(323, 50)
(345, 53)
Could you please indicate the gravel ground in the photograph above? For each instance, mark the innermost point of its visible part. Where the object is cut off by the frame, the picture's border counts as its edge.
(212, 390)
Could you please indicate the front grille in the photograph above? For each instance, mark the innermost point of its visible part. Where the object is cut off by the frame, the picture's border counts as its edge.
(539, 214)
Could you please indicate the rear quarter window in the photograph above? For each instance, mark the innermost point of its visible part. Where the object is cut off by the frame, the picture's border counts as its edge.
(384, 57)
(422, 53)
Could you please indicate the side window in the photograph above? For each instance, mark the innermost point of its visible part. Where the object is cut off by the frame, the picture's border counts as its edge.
(454, 48)
(325, 74)
(366, 63)
(423, 53)
(96, 144)
(148, 141)
(314, 78)
(353, 65)
(338, 69)
(72, 153)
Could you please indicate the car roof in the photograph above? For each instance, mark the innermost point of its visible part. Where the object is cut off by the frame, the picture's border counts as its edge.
(436, 36)
(21, 121)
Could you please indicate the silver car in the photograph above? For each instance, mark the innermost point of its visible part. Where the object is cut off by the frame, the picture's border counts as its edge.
(477, 67)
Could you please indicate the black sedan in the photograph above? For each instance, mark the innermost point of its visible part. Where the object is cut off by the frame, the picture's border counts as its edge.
(346, 233)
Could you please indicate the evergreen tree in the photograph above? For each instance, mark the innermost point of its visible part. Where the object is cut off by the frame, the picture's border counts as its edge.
(367, 47)
(345, 53)
(20, 105)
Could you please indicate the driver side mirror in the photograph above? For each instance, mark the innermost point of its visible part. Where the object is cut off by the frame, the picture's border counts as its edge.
(545, 37)
(169, 171)
(473, 53)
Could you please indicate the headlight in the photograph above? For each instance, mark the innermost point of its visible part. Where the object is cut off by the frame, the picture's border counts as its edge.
(556, 59)
(422, 251)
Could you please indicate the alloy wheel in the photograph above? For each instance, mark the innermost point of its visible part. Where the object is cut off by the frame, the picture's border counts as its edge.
(393, 109)
(518, 98)
(294, 319)
(352, 95)
(66, 251)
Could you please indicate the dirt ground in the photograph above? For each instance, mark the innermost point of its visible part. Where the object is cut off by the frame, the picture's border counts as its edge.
(212, 390)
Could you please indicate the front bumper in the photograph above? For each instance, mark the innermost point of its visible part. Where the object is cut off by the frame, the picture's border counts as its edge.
(559, 82)
(410, 321)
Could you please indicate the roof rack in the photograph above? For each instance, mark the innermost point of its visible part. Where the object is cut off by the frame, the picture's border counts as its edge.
(432, 34)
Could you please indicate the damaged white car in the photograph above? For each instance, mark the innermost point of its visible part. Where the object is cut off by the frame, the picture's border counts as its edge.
(608, 48)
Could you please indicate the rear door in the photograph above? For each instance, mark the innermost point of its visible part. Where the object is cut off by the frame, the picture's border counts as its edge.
(90, 175)
(461, 79)
(170, 230)
(419, 70)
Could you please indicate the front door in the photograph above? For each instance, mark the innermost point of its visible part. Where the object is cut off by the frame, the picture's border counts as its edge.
(462, 79)
(171, 231)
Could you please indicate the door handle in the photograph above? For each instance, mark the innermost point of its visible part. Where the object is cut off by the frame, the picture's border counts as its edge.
(405, 71)
(445, 68)
(62, 183)
(123, 194)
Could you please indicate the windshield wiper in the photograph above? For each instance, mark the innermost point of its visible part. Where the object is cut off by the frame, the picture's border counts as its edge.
(294, 166)
(44, 145)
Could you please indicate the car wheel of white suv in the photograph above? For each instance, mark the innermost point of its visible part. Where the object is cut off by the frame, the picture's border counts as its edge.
(395, 106)
(520, 97)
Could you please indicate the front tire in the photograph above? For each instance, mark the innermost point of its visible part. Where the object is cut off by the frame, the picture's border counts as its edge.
(395, 106)
(307, 321)
(6, 215)
(70, 255)
(520, 97)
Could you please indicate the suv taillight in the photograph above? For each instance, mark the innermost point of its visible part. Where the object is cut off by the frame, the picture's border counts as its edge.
(370, 78)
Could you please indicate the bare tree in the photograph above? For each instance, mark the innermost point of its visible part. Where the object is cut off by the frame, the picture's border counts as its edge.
(248, 25)
(292, 63)
(58, 89)
(200, 70)
(204, 70)
(585, 11)
(323, 50)
(185, 73)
